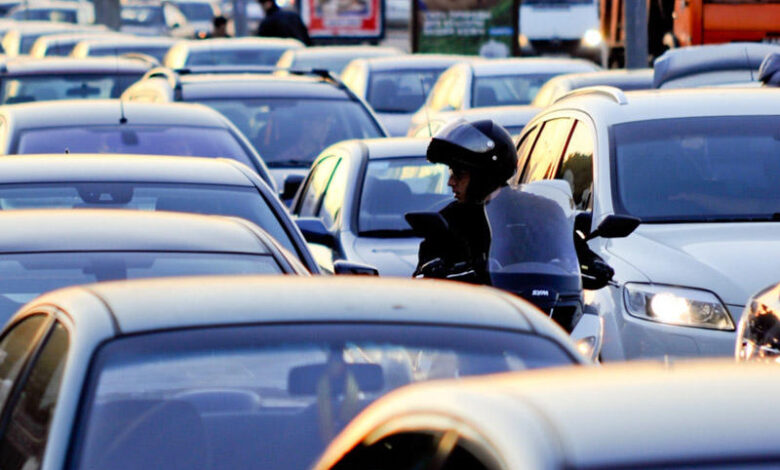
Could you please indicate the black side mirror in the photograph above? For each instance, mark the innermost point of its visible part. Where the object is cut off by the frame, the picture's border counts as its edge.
(291, 185)
(314, 231)
(348, 267)
(615, 226)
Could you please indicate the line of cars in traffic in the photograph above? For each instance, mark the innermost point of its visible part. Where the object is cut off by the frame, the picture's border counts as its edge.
(110, 375)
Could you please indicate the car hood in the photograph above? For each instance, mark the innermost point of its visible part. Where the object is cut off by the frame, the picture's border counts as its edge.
(397, 124)
(734, 260)
(391, 256)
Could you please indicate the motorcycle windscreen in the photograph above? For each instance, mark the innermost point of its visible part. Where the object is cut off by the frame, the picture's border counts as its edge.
(532, 247)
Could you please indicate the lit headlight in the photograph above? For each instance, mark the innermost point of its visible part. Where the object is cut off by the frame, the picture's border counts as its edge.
(677, 306)
(592, 38)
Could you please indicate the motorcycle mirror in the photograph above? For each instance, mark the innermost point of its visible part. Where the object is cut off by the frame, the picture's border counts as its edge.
(615, 226)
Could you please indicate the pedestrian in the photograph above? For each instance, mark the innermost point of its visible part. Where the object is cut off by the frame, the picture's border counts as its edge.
(280, 23)
(219, 27)
(481, 157)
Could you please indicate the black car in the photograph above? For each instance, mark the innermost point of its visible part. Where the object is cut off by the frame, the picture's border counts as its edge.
(288, 119)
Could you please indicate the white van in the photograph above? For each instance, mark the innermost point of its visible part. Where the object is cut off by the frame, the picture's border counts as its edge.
(562, 27)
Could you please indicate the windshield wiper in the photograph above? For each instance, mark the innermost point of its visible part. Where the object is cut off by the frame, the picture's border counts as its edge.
(291, 162)
(387, 233)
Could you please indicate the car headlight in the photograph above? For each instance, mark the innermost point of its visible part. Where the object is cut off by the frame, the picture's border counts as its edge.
(592, 38)
(677, 306)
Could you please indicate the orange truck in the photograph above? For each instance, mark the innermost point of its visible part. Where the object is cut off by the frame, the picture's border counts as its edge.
(692, 22)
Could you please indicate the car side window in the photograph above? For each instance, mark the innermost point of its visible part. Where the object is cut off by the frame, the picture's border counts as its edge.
(333, 201)
(547, 151)
(577, 165)
(24, 440)
(523, 150)
(399, 451)
(14, 349)
(464, 455)
(315, 186)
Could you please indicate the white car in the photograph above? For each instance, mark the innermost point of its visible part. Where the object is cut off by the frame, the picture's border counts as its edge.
(498, 82)
(699, 167)
(617, 417)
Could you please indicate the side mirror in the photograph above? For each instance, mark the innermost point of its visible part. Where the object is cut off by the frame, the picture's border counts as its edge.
(314, 231)
(291, 185)
(615, 226)
(348, 267)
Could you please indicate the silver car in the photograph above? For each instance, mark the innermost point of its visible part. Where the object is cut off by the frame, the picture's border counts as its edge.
(239, 372)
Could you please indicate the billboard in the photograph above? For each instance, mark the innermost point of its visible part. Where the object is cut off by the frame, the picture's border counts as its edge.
(472, 27)
(349, 19)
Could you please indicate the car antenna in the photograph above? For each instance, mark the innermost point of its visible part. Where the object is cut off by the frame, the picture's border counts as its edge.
(750, 69)
(425, 105)
(122, 118)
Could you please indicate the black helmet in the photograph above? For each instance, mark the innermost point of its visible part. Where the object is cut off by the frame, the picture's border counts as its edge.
(758, 333)
(484, 148)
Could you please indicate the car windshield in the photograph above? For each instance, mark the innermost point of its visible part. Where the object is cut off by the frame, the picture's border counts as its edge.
(135, 140)
(273, 125)
(507, 90)
(270, 397)
(196, 11)
(141, 16)
(396, 186)
(400, 91)
(25, 276)
(698, 169)
(157, 51)
(60, 16)
(220, 56)
(65, 86)
(236, 201)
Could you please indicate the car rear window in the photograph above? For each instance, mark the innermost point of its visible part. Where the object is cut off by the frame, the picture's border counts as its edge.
(255, 56)
(134, 140)
(234, 201)
(25, 276)
(275, 125)
(270, 397)
(400, 91)
(507, 90)
(65, 86)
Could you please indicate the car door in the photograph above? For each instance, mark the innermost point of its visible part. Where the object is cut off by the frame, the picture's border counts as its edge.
(28, 411)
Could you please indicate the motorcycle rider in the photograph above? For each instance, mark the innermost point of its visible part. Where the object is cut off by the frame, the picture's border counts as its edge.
(481, 157)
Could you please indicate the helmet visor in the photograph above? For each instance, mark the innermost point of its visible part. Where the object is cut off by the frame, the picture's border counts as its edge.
(463, 134)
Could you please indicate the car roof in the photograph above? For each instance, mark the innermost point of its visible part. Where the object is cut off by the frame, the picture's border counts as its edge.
(76, 168)
(627, 415)
(192, 302)
(496, 67)
(70, 113)
(53, 65)
(393, 147)
(415, 61)
(35, 26)
(504, 115)
(68, 230)
(684, 61)
(338, 51)
(241, 43)
(618, 78)
(248, 84)
(602, 103)
(118, 40)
